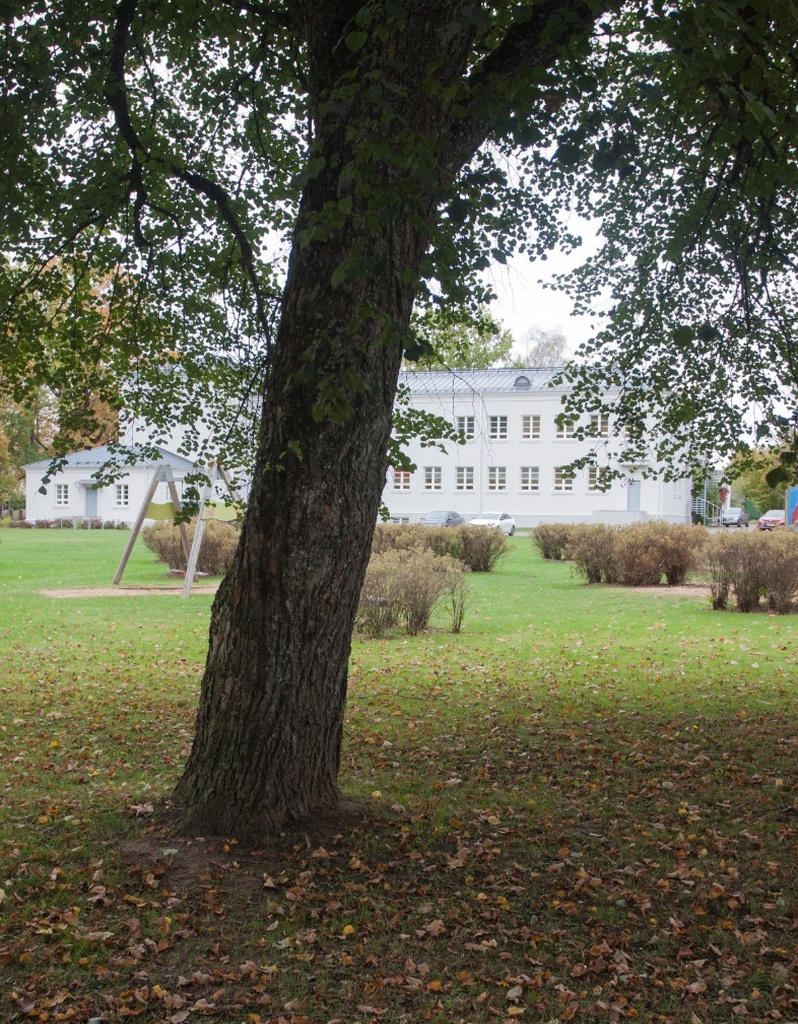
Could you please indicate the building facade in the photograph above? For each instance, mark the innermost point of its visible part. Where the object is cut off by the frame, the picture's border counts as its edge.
(516, 457)
(73, 492)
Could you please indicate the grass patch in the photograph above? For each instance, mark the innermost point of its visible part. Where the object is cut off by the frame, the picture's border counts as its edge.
(584, 806)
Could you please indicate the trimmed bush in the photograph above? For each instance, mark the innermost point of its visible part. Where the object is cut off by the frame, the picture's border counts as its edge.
(219, 542)
(638, 558)
(781, 570)
(552, 539)
(738, 564)
(403, 587)
(481, 547)
(592, 550)
(440, 540)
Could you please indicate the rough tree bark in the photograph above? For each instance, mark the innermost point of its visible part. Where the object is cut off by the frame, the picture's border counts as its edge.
(268, 734)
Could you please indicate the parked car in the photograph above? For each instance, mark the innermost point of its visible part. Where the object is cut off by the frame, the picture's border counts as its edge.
(734, 517)
(442, 519)
(499, 520)
(772, 519)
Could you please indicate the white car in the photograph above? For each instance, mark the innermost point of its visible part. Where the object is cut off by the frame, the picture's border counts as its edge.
(499, 520)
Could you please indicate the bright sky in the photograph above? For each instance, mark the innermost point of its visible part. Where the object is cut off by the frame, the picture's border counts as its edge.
(525, 302)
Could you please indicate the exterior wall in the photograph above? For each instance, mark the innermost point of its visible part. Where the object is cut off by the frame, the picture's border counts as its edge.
(435, 483)
(86, 502)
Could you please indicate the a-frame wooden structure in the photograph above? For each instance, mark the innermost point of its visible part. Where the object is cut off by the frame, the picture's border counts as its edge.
(149, 510)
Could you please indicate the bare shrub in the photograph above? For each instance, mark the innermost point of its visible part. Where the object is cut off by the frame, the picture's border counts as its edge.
(718, 567)
(551, 539)
(379, 610)
(409, 536)
(679, 548)
(780, 570)
(219, 542)
(405, 586)
(748, 569)
(481, 547)
(458, 592)
(638, 558)
(592, 550)
(736, 564)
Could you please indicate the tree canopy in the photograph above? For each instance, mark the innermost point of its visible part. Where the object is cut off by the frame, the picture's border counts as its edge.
(166, 150)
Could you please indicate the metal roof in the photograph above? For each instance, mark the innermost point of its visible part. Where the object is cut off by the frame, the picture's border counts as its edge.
(93, 458)
(510, 380)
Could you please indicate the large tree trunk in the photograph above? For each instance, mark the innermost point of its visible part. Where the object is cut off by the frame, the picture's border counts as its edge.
(269, 727)
(268, 736)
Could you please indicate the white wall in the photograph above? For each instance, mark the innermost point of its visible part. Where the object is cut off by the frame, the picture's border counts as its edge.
(657, 498)
(85, 502)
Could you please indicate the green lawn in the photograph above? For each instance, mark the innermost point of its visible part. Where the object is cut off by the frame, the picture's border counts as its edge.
(582, 807)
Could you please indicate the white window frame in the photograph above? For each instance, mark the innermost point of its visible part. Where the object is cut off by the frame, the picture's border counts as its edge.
(599, 424)
(62, 495)
(497, 427)
(530, 478)
(497, 478)
(563, 479)
(564, 430)
(597, 478)
(121, 495)
(467, 427)
(530, 427)
(433, 478)
(401, 479)
(464, 478)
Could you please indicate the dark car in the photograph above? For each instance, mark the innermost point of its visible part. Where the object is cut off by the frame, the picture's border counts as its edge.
(442, 519)
(734, 517)
(772, 519)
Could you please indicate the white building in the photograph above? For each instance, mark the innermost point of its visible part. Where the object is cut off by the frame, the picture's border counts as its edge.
(73, 492)
(515, 460)
(516, 457)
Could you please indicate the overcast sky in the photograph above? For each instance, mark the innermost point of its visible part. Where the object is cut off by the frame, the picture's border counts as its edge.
(524, 302)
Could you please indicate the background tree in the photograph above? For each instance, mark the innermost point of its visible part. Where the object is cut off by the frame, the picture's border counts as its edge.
(397, 148)
(544, 348)
(444, 338)
(26, 435)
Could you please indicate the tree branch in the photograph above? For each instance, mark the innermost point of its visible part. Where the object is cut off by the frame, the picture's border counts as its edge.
(537, 41)
(117, 98)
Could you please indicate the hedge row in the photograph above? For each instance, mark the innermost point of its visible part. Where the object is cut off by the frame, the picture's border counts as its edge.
(752, 568)
(638, 555)
(478, 547)
(64, 524)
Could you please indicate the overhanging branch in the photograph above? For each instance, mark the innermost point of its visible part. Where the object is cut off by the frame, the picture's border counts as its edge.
(117, 97)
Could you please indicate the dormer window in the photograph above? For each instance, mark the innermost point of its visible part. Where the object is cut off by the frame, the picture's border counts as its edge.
(522, 383)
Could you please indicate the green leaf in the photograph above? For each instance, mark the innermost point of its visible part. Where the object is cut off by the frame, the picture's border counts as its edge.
(355, 40)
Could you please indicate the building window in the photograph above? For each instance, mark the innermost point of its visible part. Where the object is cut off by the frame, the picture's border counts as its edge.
(530, 428)
(497, 428)
(121, 495)
(465, 424)
(563, 478)
(464, 480)
(401, 479)
(597, 478)
(563, 429)
(497, 478)
(600, 424)
(530, 478)
(432, 478)
(62, 494)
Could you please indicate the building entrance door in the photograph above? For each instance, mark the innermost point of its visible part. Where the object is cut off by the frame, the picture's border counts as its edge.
(633, 496)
